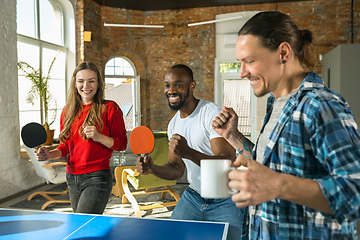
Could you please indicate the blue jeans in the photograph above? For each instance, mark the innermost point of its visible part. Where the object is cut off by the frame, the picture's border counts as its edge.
(89, 192)
(193, 207)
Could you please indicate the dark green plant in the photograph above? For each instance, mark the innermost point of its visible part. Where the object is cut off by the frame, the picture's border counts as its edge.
(40, 90)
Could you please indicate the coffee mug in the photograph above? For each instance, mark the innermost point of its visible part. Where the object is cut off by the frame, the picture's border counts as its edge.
(214, 178)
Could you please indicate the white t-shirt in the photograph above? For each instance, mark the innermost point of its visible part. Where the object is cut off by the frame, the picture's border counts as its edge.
(197, 130)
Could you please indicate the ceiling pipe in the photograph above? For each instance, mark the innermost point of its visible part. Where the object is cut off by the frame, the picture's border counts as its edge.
(162, 26)
(213, 21)
(133, 25)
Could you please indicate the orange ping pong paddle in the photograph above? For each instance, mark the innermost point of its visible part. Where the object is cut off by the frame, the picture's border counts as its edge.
(141, 141)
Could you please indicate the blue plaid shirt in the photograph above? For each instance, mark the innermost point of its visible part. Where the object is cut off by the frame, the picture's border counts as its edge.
(316, 137)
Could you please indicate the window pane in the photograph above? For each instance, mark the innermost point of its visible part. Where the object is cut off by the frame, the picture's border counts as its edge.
(126, 109)
(28, 53)
(25, 16)
(24, 88)
(118, 61)
(119, 70)
(129, 71)
(57, 90)
(109, 70)
(122, 95)
(111, 63)
(119, 66)
(237, 95)
(56, 85)
(56, 124)
(120, 89)
(113, 82)
(29, 116)
(58, 69)
(230, 67)
(50, 22)
(109, 67)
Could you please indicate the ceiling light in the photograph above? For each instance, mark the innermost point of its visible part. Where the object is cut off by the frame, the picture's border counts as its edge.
(132, 25)
(213, 21)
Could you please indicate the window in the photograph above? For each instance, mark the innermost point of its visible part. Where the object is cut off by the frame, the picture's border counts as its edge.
(51, 30)
(230, 90)
(230, 67)
(119, 66)
(237, 94)
(41, 37)
(126, 109)
(120, 75)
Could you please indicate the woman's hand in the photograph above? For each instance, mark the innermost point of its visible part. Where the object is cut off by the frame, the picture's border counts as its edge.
(42, 154)
(92, 132)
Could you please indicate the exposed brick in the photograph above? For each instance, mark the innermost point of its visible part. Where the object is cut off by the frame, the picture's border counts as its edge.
(154, 51)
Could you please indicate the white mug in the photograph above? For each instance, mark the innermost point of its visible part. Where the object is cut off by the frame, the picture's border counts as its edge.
(214, 178)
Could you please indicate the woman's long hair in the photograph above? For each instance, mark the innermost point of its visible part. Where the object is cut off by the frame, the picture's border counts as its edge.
(74, 105)
(273, 28)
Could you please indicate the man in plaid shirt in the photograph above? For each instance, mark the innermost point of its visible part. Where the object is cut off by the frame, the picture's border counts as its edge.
(305, 182)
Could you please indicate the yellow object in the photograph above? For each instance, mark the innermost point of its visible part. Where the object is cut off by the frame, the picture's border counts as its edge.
(87, 36)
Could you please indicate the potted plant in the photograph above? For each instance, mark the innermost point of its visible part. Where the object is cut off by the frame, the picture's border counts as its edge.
(40, 90)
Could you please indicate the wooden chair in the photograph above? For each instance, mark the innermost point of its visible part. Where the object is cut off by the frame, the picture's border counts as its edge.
(51, 172)
(145, 184)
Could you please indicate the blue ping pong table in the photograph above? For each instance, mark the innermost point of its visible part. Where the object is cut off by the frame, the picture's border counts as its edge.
(29, 224)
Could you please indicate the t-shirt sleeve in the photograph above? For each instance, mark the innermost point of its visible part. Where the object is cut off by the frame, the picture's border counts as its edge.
(214, 111)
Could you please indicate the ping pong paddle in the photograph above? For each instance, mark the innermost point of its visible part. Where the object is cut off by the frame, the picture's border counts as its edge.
(33, 135)
(141, 141)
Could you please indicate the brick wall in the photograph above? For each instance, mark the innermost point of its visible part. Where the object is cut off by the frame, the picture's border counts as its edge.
(88, 18)
(154, 51)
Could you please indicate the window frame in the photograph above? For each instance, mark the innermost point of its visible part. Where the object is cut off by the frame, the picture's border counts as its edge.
(131, 121)
(68, 49)
(121, 76)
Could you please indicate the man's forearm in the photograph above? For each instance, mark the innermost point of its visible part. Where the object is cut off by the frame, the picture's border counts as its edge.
(304, 192)
(167, 171)
(196, 156)
(240, 142)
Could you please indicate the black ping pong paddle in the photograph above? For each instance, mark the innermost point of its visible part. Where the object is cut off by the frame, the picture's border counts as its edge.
(33, 135)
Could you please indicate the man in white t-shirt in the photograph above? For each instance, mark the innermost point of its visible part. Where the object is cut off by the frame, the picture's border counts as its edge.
(192, 139)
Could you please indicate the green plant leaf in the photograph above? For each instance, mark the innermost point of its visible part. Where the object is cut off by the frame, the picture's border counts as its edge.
(40, 90)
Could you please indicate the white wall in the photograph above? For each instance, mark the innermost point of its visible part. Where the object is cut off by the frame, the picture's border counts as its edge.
(16, 174)
(340, 72)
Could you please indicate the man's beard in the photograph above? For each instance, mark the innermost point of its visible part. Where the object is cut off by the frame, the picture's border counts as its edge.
(180, 104)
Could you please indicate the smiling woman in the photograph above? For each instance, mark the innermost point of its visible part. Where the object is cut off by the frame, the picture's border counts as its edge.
(91, 129)
(87, 85)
